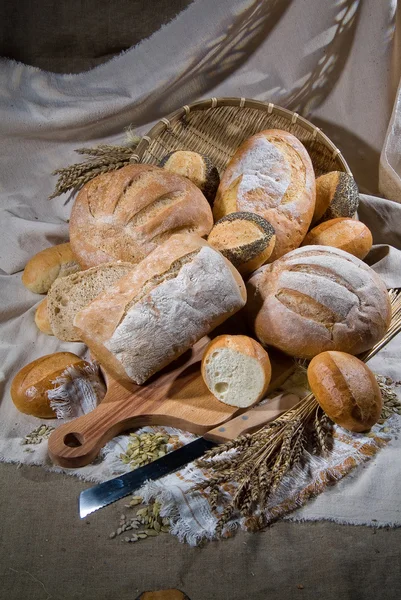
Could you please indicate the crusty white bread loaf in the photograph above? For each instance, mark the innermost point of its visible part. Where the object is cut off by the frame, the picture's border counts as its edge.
(346, 389)
(42, 318)
(125, 214)
(271, 174)
(318, 298)
(69, 294)
(236, 369)
(337, 195)
(31, 385)
(44, 268)
(175, 296)
(349, 235)
(198, 168)
(246, 239)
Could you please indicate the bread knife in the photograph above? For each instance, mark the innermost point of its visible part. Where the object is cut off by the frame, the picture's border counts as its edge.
(101, 495)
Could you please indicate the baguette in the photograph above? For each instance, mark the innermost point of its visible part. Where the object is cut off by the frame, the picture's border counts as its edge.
(271, 174)
(44, 268)
(175, 296)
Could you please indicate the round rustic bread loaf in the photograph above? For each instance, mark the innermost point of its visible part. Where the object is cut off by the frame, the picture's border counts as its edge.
(318, 298)
(31, 385)
(271, 174)
(126, 214)
(349, 235)
(198, 168)
(246, 239)
(346, 389)
(236, 369)
(337, 195)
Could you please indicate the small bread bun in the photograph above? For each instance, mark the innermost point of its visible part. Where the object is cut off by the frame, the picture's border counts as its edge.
(236, 369)
(347, 234)
(42, 318)
(46, 266)
(198, 168)
(245, 238)
(31, 385)
(337, 195)
(346, 389)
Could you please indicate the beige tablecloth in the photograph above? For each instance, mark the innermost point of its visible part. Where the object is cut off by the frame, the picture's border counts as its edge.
(334, 62)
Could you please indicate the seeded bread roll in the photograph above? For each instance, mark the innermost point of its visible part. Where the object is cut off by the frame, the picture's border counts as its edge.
(125, 214)
(271, 174)
(246, 239)
(31, 385)
(42, 318)
(198, 168)
(337, 195)
(44, 268)
(318, 298)
(68, 295)
(346, 389)
(236, 369)
(175, 296)
(347, 234)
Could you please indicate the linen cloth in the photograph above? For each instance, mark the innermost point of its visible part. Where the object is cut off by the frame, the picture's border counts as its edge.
(313, 57)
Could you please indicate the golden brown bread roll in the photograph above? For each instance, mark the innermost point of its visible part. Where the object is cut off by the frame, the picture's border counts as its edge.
(147, 319)
(347, 234)
(271, 174)
(42, 318)
(198, 168)
(318, 298)
(236, 369)
(46, 266)
(31, 385)
(125, 214)
(346, 389)
(337, 195)
(246, 239)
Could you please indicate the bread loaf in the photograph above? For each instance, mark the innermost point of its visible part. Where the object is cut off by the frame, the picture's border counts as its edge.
(337, 195)
(346, 389)
(271, 174)
(125, 214)
(236, 369)
(318, 298)
(31, 385)
(44, 268)
(198, 168)
(68, 295)
(347, 234)
(42, 318)
(175, 296)
(246, 239)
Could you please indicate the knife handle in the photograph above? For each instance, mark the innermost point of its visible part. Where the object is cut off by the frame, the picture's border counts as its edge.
(252, 419)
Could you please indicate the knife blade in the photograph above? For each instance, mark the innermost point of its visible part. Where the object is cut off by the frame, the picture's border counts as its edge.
(101, 495)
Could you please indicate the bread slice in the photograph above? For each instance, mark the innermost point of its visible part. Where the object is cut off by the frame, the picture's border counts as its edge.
(70, 294)
(236, 369)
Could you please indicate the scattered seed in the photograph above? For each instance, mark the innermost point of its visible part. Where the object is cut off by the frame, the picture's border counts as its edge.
(151, 532)
(112, 535)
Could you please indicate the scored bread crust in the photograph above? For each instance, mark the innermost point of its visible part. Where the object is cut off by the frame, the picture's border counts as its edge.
(346, 389)
(318, 298)
(271, 174)
(337, 195)
(99, 321)
(126, 214)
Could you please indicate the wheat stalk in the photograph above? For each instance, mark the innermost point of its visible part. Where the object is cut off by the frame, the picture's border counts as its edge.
(101, 159)
(261, 460)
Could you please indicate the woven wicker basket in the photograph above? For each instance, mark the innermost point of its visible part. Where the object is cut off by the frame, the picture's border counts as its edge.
(216, 127)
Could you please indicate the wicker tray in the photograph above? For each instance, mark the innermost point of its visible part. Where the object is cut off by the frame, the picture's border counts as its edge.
(217, 127)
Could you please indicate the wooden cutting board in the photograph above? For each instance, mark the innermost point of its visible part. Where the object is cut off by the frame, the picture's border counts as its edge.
(177, 397)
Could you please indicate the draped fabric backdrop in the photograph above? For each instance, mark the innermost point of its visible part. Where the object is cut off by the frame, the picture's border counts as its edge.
(335, 62)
